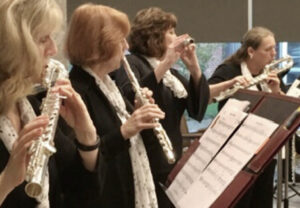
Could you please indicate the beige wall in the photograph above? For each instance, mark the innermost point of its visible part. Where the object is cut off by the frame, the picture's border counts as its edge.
(218, 20)
(61, 35)
(204, 20)
(281, 16)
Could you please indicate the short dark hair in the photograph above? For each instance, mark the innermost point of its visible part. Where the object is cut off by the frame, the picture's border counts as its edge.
(148, 31)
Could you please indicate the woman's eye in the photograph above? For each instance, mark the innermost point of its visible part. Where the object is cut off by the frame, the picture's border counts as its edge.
(44, 39)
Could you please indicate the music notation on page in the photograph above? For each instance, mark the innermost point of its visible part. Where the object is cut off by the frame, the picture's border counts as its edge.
(211, 141)
(228, 162)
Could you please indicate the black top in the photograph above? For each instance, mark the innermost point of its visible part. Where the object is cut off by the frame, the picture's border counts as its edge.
(118, 190)
(71, 185)
(226, 72)
(195, 104)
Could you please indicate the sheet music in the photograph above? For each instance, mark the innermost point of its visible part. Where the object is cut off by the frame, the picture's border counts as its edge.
(294, 90)
(211, 141)
(232, 158)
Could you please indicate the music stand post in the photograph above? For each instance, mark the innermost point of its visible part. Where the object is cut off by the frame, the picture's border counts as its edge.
(294, 180)
(279, 179)
(287, 185)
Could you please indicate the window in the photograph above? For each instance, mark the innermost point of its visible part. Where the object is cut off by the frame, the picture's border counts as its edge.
(293, 49)
(210, 55)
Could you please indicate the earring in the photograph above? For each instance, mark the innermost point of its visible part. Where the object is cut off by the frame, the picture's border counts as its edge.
(251, 56)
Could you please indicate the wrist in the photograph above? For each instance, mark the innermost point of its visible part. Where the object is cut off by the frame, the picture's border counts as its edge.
(124, 132)
(195, 71)
(88, 147)
(86, 137)
(6, 185)
(280, 92)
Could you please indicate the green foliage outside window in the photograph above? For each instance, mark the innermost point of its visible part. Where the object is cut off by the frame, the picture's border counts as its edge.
(205, 53)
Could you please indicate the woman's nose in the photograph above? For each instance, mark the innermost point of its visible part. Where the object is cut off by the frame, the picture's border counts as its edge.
(51, 50)
(125, 45)
(274, 52)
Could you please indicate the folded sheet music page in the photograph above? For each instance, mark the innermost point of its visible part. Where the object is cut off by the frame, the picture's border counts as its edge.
(211, 141)
(213, 180)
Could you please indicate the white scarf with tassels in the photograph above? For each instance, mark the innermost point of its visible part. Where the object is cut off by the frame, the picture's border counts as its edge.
(170, 80)
(144, 189)
(247, 74)
(9, 135)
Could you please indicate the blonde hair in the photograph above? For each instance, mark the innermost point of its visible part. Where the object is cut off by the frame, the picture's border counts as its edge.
(94, 34)
(20, 62)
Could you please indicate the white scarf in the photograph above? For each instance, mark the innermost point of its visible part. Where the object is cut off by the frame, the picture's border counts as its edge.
(170, 80)
(9, 135)
(247, 74)
(144, 189)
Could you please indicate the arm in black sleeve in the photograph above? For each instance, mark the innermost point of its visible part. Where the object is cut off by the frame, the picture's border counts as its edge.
(80, 186)
(124, 84)
(224, 72)
(113, 143)
(143, 73)
(198, 95)
(198, 98)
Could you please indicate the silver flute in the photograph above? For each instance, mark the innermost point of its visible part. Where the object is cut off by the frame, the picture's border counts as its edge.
(159, 131)
(188, 41)
(276, 66)
(42, 148)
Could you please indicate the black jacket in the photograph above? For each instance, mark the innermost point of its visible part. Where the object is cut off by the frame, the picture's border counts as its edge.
(174, 107)
(71, 185)
(118, 189)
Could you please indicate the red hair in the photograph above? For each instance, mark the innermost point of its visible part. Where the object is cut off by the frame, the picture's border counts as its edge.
(94, 34)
